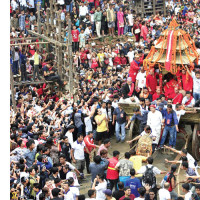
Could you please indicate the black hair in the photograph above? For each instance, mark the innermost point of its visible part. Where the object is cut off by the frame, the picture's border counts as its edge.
(106, 141)
(187, 92)
(197, 186)
(57, 180)
(36, 185)
(81, 197)
(184, 151)
(39, 158)
(142, 99)
(169, 106)
(42, 196)
(101, 176)
(55, 192)
(132, 172)
(150, 160)
(29, 143)
(62, 156)
(184, 158)
(126, 188)
(133, 152)
(120, 185)
(177, 105)
(180, 198)
(97, 159)
(115, 153)
(54, 170)
(91, 193)
(185, 164)
(71, 180)
(79, 135)
(20, 142)
(127, 155)
(90, 132)
(142, 191)
(147, 127)
(186, 186)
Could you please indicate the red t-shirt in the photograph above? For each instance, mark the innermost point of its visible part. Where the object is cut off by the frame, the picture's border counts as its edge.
(75, 34)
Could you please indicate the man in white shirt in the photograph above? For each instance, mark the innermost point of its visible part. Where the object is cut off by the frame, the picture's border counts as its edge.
(141, 79)
(91, 194)
(101, 187)
(69, 134)
(154, 120)
(186, 190)
(77, 153)
(130, 55)
(196, 85)
(163, 193)
(188, 100)
(83, 10)
(156, 171)
(68, 195)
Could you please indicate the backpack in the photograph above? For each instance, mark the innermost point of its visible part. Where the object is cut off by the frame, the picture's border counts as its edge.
(149, 177)
(165, 179)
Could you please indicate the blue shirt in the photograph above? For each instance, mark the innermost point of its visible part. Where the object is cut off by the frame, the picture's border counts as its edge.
(142, 117)
(30, 157)
(120, 116)
(170, 118)
(134, 184)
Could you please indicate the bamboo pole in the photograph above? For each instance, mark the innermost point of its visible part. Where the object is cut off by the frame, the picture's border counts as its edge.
(18, 44)
(59, 48)
(47, 39)
(24, 38)
(70, 58)
(12, 91)
(38, 21)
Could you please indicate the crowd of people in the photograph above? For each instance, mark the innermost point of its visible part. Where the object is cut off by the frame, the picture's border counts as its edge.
(53, 136)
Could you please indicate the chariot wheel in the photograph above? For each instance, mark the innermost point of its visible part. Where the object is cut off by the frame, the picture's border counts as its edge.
(196, 142)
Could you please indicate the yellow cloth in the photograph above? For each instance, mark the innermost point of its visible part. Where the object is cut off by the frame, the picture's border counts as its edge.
(102, 127)
(137, 163)
(36, 59)
(101, 57)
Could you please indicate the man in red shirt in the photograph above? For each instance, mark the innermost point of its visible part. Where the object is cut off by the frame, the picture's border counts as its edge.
(176, 96)
(89, 143)
(187, 81)
(134, 67)
(151, 82)
(169, 87)
(157, 94)
(112, 173)
(75, 40)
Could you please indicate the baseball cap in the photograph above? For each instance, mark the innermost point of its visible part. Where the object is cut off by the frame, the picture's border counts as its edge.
(108, 192)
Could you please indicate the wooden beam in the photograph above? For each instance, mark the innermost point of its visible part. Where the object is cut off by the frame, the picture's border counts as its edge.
(25, 38)
(18, 44)
(47, 39)
(32, 82)
(12, 90)
(70, 58)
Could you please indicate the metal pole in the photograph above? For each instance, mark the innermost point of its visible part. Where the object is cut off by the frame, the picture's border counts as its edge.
(70, 57)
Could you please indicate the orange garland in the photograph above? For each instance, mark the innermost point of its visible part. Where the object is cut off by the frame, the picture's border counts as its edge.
(182, 37)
